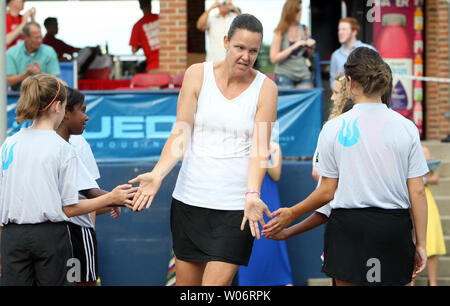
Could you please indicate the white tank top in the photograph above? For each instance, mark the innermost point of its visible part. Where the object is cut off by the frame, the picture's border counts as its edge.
(214, 169)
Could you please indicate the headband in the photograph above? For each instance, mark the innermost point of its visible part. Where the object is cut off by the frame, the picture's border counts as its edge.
(48, 105)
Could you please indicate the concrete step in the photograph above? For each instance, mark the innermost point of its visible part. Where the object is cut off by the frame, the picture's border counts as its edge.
(319, 282)
(442, 189)
(438, 149)
(443, 204)
(444, 169)
(423, 281)
(443, 270)
(445, 222)
(447, 245)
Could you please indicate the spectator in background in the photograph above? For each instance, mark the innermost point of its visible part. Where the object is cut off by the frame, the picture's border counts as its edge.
(292, 49)
(217, 26)
(145, 35)
(348, 29)
(30, 57)
(15, 22)
(61, 48)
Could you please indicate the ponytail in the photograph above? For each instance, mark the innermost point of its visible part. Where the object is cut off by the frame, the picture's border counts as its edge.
(366, 67)
(36, 94)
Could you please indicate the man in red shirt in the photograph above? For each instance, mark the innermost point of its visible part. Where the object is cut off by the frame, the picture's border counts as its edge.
(145, 35)
(61, 48)
(15, 22)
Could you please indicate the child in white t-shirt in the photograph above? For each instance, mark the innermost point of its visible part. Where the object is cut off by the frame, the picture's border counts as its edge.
(375, 155)
(38, 191)
(82, 234)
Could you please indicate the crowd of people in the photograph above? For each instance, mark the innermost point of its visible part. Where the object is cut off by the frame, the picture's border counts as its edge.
(369, 163)
(292, 49)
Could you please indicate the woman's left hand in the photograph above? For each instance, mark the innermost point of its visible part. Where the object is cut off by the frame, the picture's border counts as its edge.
(253, 212)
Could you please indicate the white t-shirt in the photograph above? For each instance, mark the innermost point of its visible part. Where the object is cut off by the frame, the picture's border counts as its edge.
(38, 177)
(84, 151)
(373, 151)
(217, 27)
(87, 174)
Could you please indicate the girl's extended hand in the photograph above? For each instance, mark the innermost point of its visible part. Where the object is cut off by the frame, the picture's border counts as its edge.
(122, 195)
(282, 218)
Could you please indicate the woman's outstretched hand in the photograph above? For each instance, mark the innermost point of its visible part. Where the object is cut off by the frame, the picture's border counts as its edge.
(253, 213)
(149, 184)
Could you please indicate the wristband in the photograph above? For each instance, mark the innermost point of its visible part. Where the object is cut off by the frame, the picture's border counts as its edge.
(252, 191)
(424, 180)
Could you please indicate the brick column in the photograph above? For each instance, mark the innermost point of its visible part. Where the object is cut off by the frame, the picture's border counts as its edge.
(436, 65)
(173, 36)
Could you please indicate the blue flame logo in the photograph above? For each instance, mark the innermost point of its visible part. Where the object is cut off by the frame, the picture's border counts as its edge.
(346, 140)
(7, 157)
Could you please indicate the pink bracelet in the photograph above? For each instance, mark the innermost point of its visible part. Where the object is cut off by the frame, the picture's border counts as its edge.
(252, 191)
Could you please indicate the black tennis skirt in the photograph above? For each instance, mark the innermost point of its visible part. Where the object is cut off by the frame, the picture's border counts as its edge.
(369, 246)
(203, 234)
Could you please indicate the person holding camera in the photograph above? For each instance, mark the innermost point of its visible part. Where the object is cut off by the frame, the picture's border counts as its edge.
(217, 26)
(292, 49)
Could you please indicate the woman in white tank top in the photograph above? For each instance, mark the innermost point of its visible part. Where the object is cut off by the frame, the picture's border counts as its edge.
(224, 117)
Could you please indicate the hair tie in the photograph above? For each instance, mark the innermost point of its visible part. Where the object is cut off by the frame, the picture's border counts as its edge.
(48, 105)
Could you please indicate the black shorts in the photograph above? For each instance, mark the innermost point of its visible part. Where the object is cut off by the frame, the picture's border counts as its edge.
(84, 244)
(369, 246)
(203, 235)
(35, 254)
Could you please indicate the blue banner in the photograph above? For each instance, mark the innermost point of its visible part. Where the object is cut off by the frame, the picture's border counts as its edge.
(134, 126)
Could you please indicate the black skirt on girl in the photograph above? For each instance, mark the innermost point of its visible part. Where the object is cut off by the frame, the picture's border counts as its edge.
(369, 246)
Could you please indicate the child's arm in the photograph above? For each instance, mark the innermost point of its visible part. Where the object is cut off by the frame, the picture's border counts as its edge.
(315, 175)
(121, 195)
(95, 193)
(314, 220)
(419, 212)
(319, 197)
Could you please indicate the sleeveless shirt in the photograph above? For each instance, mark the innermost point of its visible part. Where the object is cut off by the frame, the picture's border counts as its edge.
(215, 167)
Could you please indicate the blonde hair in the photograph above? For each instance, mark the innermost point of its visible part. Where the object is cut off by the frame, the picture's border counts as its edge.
(288, 15)
(36, 94)
(343, 96)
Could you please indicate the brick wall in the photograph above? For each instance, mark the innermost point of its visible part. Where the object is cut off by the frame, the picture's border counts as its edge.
(436, 65)
(173, 36)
